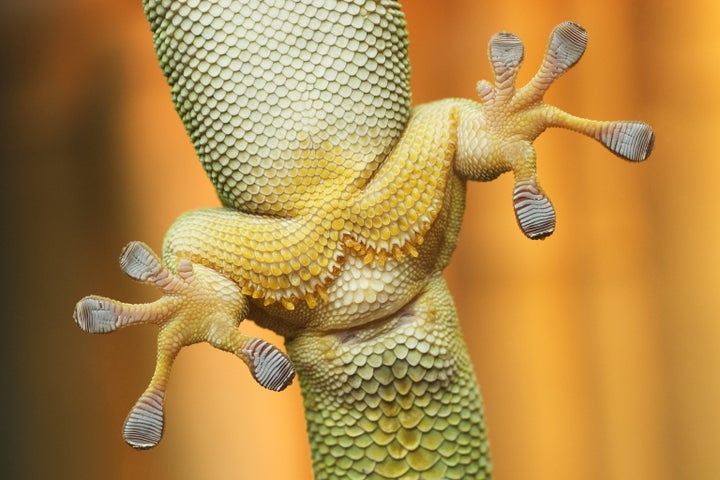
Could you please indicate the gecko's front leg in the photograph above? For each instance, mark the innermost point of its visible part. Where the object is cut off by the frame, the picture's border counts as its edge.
(198, 305)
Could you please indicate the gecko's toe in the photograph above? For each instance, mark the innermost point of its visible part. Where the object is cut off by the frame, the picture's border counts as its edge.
(632, 141)
(95, 315)
(145, 423)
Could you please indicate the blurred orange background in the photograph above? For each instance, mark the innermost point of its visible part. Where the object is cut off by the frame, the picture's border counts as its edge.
(597, 350)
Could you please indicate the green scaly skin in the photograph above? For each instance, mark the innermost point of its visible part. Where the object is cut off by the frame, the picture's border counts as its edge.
(395, 399)
(341, 207)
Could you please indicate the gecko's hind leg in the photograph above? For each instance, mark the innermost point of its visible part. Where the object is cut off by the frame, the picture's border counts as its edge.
(513, 118)
(198, 304)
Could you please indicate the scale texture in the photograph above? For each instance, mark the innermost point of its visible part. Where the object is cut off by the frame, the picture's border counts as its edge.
(288, 103)
(341, 207)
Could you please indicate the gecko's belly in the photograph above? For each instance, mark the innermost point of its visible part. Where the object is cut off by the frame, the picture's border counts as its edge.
(361, 293)
(364, 292)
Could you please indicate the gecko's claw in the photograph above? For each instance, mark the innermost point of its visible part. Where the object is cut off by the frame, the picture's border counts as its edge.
(198, 305)
(515, 118)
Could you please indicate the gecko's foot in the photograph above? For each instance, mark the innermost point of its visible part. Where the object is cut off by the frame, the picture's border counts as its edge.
(198, 305)
(516, 117)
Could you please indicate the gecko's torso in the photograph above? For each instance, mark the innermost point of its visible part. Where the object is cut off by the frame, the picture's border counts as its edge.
(288, 103)
(296, 260)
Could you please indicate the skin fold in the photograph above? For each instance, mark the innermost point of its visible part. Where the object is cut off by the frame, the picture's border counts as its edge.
(341, 207)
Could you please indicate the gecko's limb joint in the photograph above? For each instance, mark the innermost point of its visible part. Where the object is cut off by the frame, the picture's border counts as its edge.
(198, 305)
(515, 118)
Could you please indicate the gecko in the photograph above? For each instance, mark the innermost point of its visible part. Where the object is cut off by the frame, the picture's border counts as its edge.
(341, 206)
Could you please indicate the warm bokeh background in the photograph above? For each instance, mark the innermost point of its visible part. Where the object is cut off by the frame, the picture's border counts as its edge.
(597, 349)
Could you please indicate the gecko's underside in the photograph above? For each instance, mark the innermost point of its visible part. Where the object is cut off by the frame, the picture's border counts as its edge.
(342, 206)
